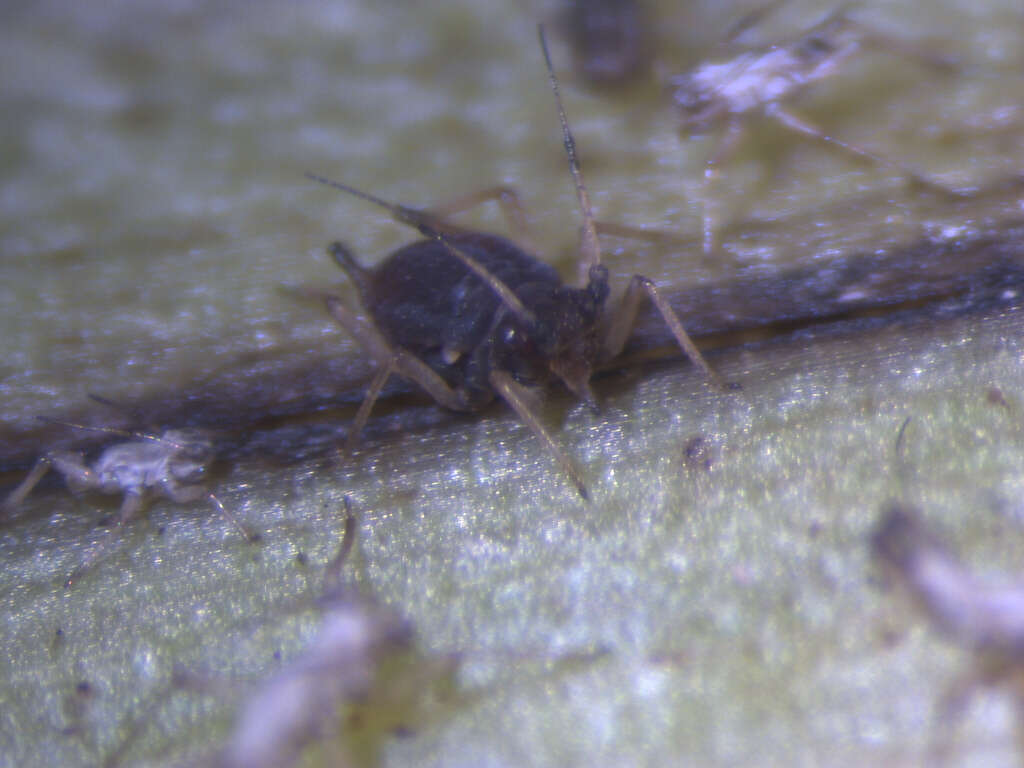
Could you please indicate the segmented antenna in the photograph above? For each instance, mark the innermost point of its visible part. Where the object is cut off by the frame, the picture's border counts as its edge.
(423, 223)
(588, 238)
(112, 431)
(404, 214)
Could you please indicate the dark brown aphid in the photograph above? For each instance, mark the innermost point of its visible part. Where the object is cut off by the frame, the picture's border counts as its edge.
(173, 465)
(728, 93)
(611, 40)
(469, 315)
(985, 619)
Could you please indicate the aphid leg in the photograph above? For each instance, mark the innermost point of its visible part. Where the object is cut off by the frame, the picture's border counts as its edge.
(332, 573)
(248, 535)
(363, 414)
(368, 337)
(621, 325)
(508, 201)
(519, 397)
(799, 125)
(75, 471)
(725, 149)
(404, 363)
(389, 361)
(30, 482)
(129, 508)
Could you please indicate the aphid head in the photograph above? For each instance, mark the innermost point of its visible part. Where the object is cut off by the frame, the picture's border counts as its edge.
(193, 453)
(697, 103)
(579, 347)
(562, 340)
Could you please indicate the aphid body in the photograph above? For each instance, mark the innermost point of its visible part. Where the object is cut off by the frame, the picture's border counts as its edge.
(470, 316)
(173, 465)
(428, 302)
(713, 92)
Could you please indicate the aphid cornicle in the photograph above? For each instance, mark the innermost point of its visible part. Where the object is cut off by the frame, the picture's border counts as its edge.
(470, 315)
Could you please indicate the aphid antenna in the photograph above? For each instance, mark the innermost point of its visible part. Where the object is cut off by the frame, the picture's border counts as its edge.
(588, 238)
(410, 216)
(250, 536)
(424, 224)
(112, 431)
(133, 412)
(89, 428)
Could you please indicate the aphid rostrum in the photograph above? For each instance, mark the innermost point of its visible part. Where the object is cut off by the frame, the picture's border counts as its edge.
(470, 316)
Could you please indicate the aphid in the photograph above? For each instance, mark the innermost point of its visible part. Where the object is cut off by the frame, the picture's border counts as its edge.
(470, 316)
(173, 465)
(360, 680)
(300, 704)
(986, 619)
(284, 713)
(731, 92)
(611, 40)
